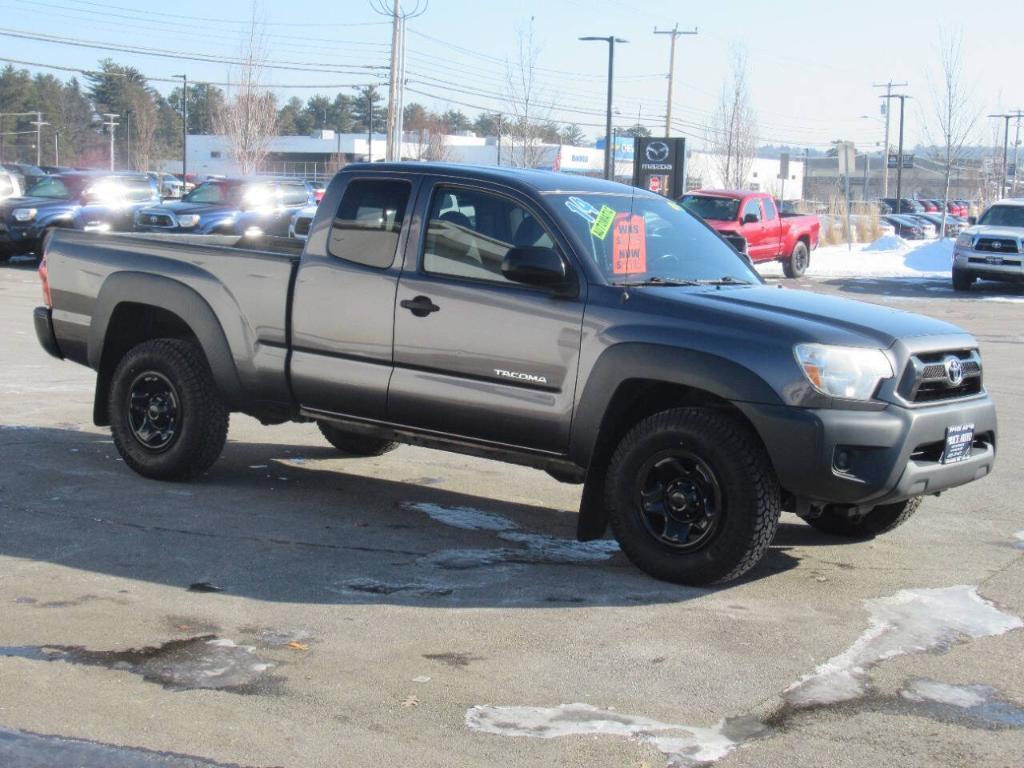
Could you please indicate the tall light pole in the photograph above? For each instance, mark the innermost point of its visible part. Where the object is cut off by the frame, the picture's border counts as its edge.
(111, 124)
(39, 123)
(1006, 145)
(56, 148)
(609, 169)
(184, 128)
(128, 140)
(675, 32)
(885, 166)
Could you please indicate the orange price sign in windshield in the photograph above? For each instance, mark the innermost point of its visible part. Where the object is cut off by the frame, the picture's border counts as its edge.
(629, 244)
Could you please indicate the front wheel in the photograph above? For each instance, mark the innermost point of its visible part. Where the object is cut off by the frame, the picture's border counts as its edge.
(691, 496)
(962, 281)
(880, 520)
(798, 260)
(166, 414)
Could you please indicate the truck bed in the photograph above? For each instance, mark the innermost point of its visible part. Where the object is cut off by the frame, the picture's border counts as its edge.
(94, 280)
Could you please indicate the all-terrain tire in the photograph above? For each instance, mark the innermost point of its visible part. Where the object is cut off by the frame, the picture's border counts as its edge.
(199, 427)
(353, 444)
(962, 281)
(876, 522)
(798, 260)
(747, 507)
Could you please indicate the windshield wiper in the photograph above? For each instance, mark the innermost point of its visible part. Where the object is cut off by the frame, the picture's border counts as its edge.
(658, 281)
(726, 280)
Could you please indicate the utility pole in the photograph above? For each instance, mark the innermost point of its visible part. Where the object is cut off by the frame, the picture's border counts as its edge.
(899, 153)
(56, 148)
(38, 123)
(396, 24)
(1016, 156)
(675, 32)
(609, 169)
(500, 116)
(885, 165)
(184, 128)
(128, 140)
(111, 124)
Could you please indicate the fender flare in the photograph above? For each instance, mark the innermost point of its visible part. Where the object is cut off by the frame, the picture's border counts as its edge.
(175, 297)
(657, 362)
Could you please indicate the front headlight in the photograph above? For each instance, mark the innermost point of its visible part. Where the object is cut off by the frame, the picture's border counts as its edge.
(964, 240)
(852, 373)
(24, 214)
(188, 220)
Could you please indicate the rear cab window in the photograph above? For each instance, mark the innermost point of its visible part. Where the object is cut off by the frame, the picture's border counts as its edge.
(369, 221)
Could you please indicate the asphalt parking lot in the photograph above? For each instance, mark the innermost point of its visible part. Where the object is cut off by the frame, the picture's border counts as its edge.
(294, 608)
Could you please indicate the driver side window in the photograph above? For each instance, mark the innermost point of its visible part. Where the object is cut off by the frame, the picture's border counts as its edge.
(470, 231)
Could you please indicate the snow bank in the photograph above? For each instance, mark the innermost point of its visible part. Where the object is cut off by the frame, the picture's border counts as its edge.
(886, 257)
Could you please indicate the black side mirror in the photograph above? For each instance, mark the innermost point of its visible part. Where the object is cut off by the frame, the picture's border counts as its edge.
(535, 265)
(972, 220)
(750, 218)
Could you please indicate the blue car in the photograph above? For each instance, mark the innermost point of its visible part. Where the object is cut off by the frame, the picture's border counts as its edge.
(87, 200)
(237, 206)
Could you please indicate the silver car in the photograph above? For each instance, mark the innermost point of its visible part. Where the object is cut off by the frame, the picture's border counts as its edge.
(991, 249)
(10, 186)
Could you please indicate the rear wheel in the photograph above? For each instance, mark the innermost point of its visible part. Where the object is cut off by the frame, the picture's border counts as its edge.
(876, 522)
(353, 444)
(962, 281)
(691, 496)
(166, 415)
(798, 260)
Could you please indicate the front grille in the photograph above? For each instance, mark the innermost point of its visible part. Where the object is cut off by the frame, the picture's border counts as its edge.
(997, 245)
(302, 226)
(986, 260)
(930, 376)
(155, 220)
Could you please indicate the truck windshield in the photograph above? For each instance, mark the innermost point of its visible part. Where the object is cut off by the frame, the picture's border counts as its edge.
(55, 187)
(644, 238)
(1004, 216)
(215, 192)
(712, 208)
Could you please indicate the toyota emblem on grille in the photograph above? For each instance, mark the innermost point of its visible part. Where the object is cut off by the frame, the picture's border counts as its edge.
(996, 245)
(954, 370)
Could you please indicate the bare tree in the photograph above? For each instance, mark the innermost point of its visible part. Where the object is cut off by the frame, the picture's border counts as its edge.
(955, 114)
(144, 124)
(529, 106)
(732, 134)
(249, 116)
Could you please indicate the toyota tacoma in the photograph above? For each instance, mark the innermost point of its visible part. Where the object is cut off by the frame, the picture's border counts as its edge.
(596, 331)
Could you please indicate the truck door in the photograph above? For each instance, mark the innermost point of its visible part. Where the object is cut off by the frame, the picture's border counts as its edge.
(477, 355)
(753, 229)
(772, 229)
(344, 299)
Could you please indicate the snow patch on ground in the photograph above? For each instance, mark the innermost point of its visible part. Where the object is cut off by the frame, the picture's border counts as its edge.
(887, 243)
(944, 693)
(682, 745)
(911, 621)
(466, 518)
(883, 258)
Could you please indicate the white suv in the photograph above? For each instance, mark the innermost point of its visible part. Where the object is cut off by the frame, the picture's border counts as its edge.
(993, 247)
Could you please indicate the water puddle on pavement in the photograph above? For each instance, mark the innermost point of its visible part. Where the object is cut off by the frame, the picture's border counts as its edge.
(204, 662)
(21, 748)
(911, 621)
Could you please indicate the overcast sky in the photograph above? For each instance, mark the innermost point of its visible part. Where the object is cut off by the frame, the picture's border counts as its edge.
(812, 62)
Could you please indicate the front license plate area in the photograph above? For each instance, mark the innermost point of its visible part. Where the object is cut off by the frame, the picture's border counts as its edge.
(959, 439)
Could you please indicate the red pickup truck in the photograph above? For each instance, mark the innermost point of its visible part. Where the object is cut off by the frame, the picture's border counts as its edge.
(770, 234)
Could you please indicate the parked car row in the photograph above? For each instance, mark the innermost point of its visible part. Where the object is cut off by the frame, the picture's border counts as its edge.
(906, 205)
(133, 202)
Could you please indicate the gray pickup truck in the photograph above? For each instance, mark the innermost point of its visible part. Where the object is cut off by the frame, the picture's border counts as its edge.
(586, 328)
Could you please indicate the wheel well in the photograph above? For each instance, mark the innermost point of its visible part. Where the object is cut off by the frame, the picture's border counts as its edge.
(636, 399)
(131, 324)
